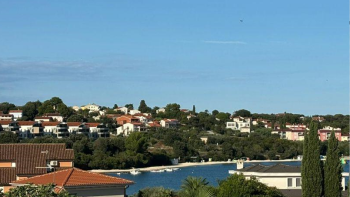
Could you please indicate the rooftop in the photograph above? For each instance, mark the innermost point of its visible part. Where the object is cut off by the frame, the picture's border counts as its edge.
(74, 177)
(278, 168)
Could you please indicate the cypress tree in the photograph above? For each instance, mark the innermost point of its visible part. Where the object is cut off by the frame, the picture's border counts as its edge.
(304, 166)
(194, 109)
(333, 169)
(312, 179)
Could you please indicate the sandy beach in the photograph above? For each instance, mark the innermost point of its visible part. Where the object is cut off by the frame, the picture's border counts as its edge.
(183, 165)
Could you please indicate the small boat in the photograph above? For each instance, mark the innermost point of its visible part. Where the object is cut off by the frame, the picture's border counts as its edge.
(118, 173)
(169, 169)
(135, 171)
(174, 169)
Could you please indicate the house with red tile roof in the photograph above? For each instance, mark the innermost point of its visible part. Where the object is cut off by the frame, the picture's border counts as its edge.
(80, 183)
(17, 114)
(127, 128)
(19, 161)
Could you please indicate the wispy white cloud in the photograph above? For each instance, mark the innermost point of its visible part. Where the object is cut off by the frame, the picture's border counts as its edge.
(223, 42)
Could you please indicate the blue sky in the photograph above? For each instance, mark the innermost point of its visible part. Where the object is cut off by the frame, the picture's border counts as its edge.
(285, 56)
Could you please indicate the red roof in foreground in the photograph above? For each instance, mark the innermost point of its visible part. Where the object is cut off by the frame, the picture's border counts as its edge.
(74, 177)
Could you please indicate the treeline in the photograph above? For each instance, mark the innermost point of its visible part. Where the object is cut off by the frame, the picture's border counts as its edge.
(205, 120)
(157, 147)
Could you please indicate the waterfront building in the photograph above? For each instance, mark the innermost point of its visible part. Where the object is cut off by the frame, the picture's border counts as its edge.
(80, 183)
(283, 177)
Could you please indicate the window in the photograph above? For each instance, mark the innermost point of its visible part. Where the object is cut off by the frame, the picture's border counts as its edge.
(297, 182)
(290, 182)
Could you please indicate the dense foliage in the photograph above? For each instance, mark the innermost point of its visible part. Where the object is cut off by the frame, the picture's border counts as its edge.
(37, 191)
(332, 169)
(312, 175)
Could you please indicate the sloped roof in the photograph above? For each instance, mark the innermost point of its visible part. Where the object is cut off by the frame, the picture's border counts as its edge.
(278, 168)
(74, 177)
(28, 157)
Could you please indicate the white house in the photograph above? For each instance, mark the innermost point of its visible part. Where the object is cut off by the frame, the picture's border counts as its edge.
(239, 123)
(169, 123)
(128, 128)
(76, 108)
(281, 176)
(125, 110)
(55, 116)
(42, 119)
(17, 114)
(6, 117)
(91, 107)
(134, 111)
(160, 110)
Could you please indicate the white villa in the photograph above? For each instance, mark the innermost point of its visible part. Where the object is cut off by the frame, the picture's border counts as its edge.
(281, 176)
(128, 128)
(239, 123)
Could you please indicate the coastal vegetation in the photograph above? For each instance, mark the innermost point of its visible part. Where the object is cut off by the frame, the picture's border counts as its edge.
(234, 186)
(38, 191)
(158, 146)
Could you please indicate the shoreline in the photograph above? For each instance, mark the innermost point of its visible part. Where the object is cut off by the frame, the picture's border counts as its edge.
(184, 165)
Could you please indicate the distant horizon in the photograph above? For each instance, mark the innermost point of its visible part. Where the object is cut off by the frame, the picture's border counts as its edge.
(263, 56)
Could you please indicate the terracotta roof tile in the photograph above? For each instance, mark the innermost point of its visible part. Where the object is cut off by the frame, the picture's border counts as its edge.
(15, 111)
(74, 177)
(29, 156)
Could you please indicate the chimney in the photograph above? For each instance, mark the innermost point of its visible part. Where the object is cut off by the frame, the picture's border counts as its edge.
(240, 164)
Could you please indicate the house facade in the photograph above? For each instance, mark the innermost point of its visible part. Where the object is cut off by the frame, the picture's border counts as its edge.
(239, 123)
(281, 176)
(20, 161)
(17, 114)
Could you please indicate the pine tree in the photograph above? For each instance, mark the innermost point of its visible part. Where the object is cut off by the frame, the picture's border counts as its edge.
(312, 180)
(333, 169)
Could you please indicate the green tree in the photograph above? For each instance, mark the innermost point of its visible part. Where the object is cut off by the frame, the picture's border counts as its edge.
(243, 113)
(136, 143)
(236, 186)
(37, 191)
(75, 118)
(194, 109)
(193, 186)
(129, 106)
(115, 106)
(332, 169)
(144, 108)
(172, 110)
(30, 110)
(5, 107)
(155, 192)
(312, 179)
(8, 137)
